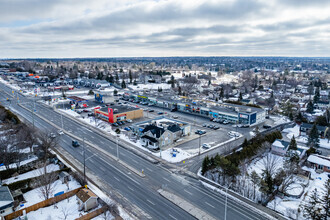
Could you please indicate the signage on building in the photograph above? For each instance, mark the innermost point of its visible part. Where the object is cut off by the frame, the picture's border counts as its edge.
(120, 115)
(243, 116)
(140, 96)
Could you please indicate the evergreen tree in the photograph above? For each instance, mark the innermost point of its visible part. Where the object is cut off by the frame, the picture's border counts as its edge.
(221, 94)
(312, 209)
(255, 179)
(123, 84)
(313, 138)
(172, 81)
(179, 90)
(291, 116)
(205, 164)
(317, 95)
(111, 79)
(310, 90)
(299, 117)
(293, 144)
(245, 143)
(115, 92)
(209, 82)
(310, 107)
(325, 200)
(134, 82)
(117, 78)
(130, 76)
(240, 97)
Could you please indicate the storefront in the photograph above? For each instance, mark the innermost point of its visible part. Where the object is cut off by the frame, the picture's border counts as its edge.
(113, 115)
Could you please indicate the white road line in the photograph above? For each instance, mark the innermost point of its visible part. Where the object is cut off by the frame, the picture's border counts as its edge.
(130, 188)
(150, 202)
(166, 179)
(102, 168)
(122, 153)
(209, 205)
(187, 192)
(134, 161)
(149, 169)
(102, 142)
(172, 216)
(116, 178)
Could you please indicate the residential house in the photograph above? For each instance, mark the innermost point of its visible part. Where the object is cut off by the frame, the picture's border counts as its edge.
(305, 128)
(6, 201)
(87, 200)
(319, 163)
(280, 147)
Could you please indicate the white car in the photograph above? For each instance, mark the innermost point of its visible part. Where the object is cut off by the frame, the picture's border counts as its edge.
(129, 120)
(206, 146)
(233, 134)
(60, 132)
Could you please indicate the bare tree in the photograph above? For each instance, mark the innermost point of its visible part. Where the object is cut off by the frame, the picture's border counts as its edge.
(270, 163)
(45, 181)
(66, 212)
(46, 143)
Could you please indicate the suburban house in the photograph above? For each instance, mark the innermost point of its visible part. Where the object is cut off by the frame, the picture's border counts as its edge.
(280, 147)
(305, 129)
(6, 201)
(319, 163)
(87, 200)
(161, 132)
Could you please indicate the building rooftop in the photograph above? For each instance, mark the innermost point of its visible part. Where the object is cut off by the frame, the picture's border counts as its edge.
(5, 196)
(120, 108)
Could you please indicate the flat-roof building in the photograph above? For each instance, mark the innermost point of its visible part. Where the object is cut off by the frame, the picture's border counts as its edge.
(118, 113)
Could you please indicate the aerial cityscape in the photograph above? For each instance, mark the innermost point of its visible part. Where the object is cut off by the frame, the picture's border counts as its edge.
(164, 110)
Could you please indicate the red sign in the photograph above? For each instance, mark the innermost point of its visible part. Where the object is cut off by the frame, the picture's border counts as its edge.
(121, 115)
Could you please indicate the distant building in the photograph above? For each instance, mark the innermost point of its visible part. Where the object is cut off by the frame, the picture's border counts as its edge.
(319, 162)
(305, 128)
(118, 113)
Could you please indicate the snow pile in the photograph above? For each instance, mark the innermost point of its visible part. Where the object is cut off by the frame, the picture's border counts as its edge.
(150, 86)
(292, 131)
(279, 120)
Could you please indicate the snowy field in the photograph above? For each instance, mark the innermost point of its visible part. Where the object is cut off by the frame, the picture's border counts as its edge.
(278, 120)
(289, 206)
(31, 174)
(150, 86)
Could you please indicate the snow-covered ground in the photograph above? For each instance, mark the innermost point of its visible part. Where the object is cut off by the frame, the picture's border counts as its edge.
(289, 206)
(150, 86)
(258, 164)
(31, 174)
(279, 119)
(32, 197)
(13, 165)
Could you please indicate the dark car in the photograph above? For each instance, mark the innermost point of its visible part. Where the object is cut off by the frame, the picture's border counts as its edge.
(212, 119)
(210, 126)
(75, 144)
(151, 110)
(173, 110)
(245, 126)
(90, 114)
(160, 113)
(216, 127)
(267, 126)
(200, 132)
(119, 123)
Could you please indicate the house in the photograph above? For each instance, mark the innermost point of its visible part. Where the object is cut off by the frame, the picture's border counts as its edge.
(318, 162)
(87, 200)
(306, 127)
(6, 201)
(280, 147)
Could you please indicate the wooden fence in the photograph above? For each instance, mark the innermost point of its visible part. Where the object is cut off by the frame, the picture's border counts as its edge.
(42, 204)
(93, 214)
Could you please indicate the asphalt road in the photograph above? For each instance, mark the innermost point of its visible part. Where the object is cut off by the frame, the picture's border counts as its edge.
(140, 191)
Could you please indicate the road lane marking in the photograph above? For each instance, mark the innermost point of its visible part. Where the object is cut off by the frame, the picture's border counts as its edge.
(209, 205)
(172, 216)
(166, 179)
(102, 142)
(150, 202)
(187, 191)
(102, 168)
(130, 188)
(134, 161)
(149, 169)
(116, 178)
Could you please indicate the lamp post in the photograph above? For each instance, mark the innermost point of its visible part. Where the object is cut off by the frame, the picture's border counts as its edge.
(117, 147)
(84, 160)
(199, 148)
(226, 201)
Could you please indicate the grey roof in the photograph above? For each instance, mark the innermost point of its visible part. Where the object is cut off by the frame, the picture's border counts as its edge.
(155, 130)
(5, 194)
(174, 128)
(309, 126)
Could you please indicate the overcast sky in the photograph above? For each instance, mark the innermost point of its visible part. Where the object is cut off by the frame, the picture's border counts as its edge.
(125, 28)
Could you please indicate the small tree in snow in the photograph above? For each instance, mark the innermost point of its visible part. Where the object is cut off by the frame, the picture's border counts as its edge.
(312, 209)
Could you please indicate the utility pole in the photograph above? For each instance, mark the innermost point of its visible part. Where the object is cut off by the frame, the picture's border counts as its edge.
(226, 202)
(117, 148)
(84, 160)
(199, 147)
(33, 112)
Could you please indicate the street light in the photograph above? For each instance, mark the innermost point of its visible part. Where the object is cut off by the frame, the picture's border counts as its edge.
(199, 148)
(226, 201)
(84, 160)
(117, 147)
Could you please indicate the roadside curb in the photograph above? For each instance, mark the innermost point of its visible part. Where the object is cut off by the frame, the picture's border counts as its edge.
(92, 145)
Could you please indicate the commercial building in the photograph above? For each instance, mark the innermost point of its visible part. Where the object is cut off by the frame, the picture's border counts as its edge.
(118, 113)
(233, 113)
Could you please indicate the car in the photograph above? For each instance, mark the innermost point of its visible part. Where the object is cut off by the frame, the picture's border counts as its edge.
(75, 143)
(319, 152)
(210, 126)
(90, 114)
(233, 134)
(173, 110)
(127, 129)
(122, 122)
(86, 110)
(144, 103)
(216, 127)
(267, 126)
(200, 132)
(245, 126)
(119, 123)
(175, 117)
(52, 135)
(115, 124)
(60, 132)
(212, 119)
(151, 104)
(129, 120)
(205, 125)
(225, 122)
(206, 146)
(160, 113)
(79, 111)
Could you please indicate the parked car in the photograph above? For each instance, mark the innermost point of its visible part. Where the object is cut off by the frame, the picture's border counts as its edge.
(216, 127)
(175, 117)
(119, 123)
(52, 135)
(200, 132)
(90, 114)
(245, 126)
(173, 110)
(205, 125)
(127, 129)
(267, 126)
(225, 122)
(115, 124)
(160, 113)
(210, 126)
(233, 134)
(75, 144)
(129, 120)
(206, 146)
(151, 110)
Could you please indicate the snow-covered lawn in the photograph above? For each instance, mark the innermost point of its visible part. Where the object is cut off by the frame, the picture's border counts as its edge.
(32, 197)
(292, 131)
(31, 174)
(150, 86)
(279, 119)
(258, 164)
(13, 165)
(289, 206)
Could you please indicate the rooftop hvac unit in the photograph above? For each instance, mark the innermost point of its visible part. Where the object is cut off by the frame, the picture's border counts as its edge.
(236, 109)
(248, 110)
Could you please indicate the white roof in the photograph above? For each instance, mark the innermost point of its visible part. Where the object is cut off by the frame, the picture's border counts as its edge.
(325, 161)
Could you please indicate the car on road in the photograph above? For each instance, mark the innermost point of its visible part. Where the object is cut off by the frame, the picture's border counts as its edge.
(160, 113)
(173, 110)
(151, 110)
(90, 114)
(200, 132)
(245, 126)
(267, 126)
(210, 126)
(75, 144)
(206, 146)
(60, 132)
(233, 134)
(52, 135)
(175, 117)
(205, 125)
